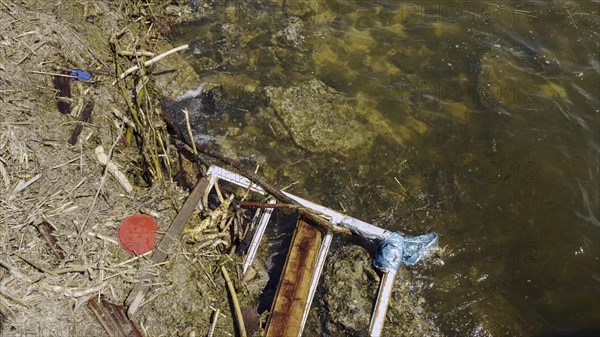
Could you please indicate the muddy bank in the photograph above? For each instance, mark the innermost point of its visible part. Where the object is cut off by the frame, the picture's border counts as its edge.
(51, 183)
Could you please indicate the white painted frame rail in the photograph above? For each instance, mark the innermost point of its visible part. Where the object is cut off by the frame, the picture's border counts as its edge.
(358, 227)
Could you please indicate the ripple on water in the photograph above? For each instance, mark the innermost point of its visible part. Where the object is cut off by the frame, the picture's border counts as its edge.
(479, 121)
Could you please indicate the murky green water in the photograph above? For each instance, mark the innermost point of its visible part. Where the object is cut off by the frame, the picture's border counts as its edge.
(478, 121)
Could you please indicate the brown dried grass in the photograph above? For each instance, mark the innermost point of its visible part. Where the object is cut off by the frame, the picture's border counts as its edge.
(44, 179)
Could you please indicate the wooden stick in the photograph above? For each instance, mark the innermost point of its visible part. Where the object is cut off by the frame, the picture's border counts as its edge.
(252, 204)
(236, 304)
(299, 208)
(150, 62)
(137, 294)
(113, 169)
(53, 74)
(136, 53)
(213, 324)
(189, 129)
(86, 117)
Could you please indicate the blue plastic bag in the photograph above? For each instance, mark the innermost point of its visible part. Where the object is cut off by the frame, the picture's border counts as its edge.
(81, 75)
(397, 250)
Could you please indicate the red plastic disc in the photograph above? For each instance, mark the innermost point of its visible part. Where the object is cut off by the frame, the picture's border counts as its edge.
(136, 233)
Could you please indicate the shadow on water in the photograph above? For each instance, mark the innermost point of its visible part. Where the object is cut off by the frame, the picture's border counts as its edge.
(278, 240)
(479, 121)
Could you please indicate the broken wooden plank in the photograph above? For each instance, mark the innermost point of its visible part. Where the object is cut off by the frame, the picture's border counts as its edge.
(113, 319)
(294, 289)
(86, 117)
(62, 84)
(168, 241)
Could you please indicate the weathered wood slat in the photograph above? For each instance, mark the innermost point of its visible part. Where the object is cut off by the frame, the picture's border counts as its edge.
(293, 291)
(167, 244)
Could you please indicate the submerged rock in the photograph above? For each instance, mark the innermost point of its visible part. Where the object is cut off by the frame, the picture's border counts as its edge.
(292, 34)
(349, 292)
(513, 81)
(213, 112)
(496, 316)
(319, 118)
(350, 288)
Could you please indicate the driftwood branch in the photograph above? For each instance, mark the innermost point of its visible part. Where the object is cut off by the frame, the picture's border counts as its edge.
(252, 204)
(302, 209)
(258, 180)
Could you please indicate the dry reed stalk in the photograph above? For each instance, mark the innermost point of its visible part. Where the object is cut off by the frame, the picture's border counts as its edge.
(102, 181)
(235, 303)
(150, 62)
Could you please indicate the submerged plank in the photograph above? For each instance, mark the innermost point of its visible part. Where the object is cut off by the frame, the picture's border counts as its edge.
(293, 290)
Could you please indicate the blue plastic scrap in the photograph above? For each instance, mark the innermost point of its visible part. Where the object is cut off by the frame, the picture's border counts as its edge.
(81, 75)
(397, 250)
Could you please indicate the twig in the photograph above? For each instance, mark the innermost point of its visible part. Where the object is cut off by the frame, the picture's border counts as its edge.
(189, 129)
(150, 62)
(213, 324)
(72, 292)
(53, 74)
(302, 209)
(104, 237)
(569, 12)
(102, 181)
(235, 303)
(23, 185)
(136, 53)
(14, 271)
(252, 204)
(124, 118)
(218, 190)
(207, 274)
(14, 299)
(134, 258)
(70, 269)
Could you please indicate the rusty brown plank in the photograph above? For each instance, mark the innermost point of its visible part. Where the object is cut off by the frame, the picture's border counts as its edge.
(293, 291)
(113, 319)
(86, 117)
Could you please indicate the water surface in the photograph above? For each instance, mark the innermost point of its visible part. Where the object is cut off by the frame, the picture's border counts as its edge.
(484, 123)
